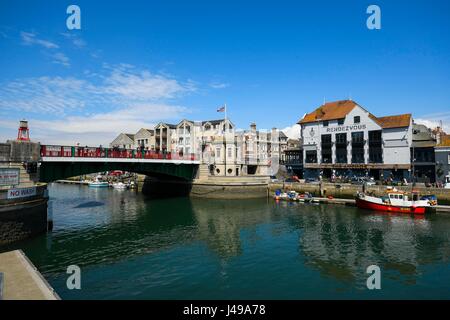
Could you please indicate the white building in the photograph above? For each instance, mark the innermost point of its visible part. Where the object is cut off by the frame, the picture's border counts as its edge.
(216, 143)
(343, 138)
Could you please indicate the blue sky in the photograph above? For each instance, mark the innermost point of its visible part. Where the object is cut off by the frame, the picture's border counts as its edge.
(136, 63)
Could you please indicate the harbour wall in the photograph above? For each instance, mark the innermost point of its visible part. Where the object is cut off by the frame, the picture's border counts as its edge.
(348, 191)
(228, 191)
(211, 188)
(23, 218)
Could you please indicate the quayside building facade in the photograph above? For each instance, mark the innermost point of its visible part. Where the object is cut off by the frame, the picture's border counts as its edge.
(342, 138)
(221, 149)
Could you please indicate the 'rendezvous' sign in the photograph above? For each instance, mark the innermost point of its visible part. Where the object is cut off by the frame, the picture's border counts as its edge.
(347, 128)
(21, 192)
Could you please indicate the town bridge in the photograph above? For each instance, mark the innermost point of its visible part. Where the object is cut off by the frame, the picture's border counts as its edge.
(60, 162)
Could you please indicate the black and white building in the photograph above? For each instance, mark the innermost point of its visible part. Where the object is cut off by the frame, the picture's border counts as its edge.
(342, 138)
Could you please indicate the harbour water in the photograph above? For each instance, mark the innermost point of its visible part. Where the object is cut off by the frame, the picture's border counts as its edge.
(132, 247)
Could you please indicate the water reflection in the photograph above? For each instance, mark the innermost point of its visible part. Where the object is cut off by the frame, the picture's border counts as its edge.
(246, 249)
(220, 223)
(341, 242)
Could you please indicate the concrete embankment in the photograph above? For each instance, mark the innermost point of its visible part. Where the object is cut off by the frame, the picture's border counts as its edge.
(21, 280)
(212, 188)
(348, 191)
(244, 187)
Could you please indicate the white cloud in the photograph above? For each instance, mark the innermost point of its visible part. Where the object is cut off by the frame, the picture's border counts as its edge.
(126, 82)
(430, 123)
(91, 110)
(61, 58)
(293, 132)
(218, 85)
(44, 95)
(61, 96)
(75, 39)
(97, 128)
(31, 39)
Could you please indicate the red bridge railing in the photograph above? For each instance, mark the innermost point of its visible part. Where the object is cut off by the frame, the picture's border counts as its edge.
(100, 152)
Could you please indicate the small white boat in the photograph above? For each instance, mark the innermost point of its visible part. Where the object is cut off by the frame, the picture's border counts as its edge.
(98, 183)
(119, 185)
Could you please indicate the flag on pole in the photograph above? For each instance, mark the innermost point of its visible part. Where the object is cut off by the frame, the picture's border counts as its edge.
(221, 109)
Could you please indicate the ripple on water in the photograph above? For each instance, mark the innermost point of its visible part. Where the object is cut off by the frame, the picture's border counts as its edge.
(130, 246)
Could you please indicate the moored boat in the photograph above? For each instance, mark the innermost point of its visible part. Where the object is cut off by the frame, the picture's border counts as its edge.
(98, 183)
(394, 201)
(119, 186)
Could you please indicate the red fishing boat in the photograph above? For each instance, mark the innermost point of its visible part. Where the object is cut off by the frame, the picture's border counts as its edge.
(394, 201)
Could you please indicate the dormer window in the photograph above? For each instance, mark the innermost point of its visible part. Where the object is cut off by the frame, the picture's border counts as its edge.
(341, 121)
(325, 123)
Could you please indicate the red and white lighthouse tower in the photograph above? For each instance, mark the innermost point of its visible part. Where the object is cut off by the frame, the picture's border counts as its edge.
(24, 132)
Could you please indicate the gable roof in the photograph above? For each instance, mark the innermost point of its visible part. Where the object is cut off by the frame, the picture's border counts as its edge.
(339, 109)
(169, 125)
(214, 122)
(398, 121)
(144, 129)
(121, 135)
(329, 111)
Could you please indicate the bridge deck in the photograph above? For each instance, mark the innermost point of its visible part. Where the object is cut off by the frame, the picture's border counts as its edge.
(121, 160)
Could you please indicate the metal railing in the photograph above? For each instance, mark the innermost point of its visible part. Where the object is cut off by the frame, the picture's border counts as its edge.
(100, 152)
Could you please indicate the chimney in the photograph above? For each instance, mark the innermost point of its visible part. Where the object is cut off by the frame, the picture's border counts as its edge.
(253, 127)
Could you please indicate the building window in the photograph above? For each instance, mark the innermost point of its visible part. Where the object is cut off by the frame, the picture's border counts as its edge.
(356, 119)
(341, 139)
(311, 156)
(341, 148)
(357, 147)
(341, 121)
(375, 147)
(229, 153)
(326, 148)
(325, 123)
(217, 152)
